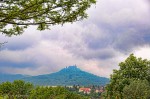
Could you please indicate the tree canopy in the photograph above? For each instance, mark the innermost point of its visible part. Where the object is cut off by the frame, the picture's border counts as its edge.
(19, 89)
(15, 90)
(132, 71)
(16, 15)
(138, 89)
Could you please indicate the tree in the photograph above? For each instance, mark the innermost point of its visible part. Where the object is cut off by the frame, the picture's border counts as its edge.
(16, 15)
(6, 89)
(139, 89)
(21, 89)
(18, 89)
(133, 69)
(53, 93)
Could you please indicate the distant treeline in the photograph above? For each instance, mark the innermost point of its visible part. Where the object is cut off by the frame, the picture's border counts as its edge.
(20, 89)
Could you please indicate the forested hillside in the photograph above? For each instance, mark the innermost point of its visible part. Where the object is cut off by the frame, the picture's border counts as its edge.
(68, 76)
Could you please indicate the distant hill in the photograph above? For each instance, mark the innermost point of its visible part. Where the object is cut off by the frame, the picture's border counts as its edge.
(10, 77)
(68, 76)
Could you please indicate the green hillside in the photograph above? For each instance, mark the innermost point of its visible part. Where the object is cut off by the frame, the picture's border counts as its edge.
(10, 77)
(68, 76)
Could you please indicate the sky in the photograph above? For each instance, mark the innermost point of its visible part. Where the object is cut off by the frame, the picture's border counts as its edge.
(113, 30)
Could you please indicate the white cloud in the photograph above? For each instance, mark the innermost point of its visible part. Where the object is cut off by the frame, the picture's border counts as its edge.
(143, 52)
(120, 12)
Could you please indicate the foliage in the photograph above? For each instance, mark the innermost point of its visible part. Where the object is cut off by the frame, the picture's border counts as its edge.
(24, 90)
(53, 93)
(139, 89)
(6, 88)
(19, 14)
(133, 69)
(18, 89)
(21, 89)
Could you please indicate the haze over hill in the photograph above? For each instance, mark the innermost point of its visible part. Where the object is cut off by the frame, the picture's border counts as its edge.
(10, 77)
(67, 76)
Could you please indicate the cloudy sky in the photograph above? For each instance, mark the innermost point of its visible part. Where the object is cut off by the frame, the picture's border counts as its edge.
(113, 30)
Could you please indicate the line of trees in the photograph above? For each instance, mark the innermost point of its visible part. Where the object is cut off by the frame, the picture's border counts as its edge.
(17, 89)
(24, 90)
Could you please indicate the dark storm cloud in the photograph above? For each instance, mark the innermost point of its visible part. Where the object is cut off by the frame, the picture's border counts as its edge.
(97, 43)
(102, 55)
(127, 25)
(130, 38)
(16, 65)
